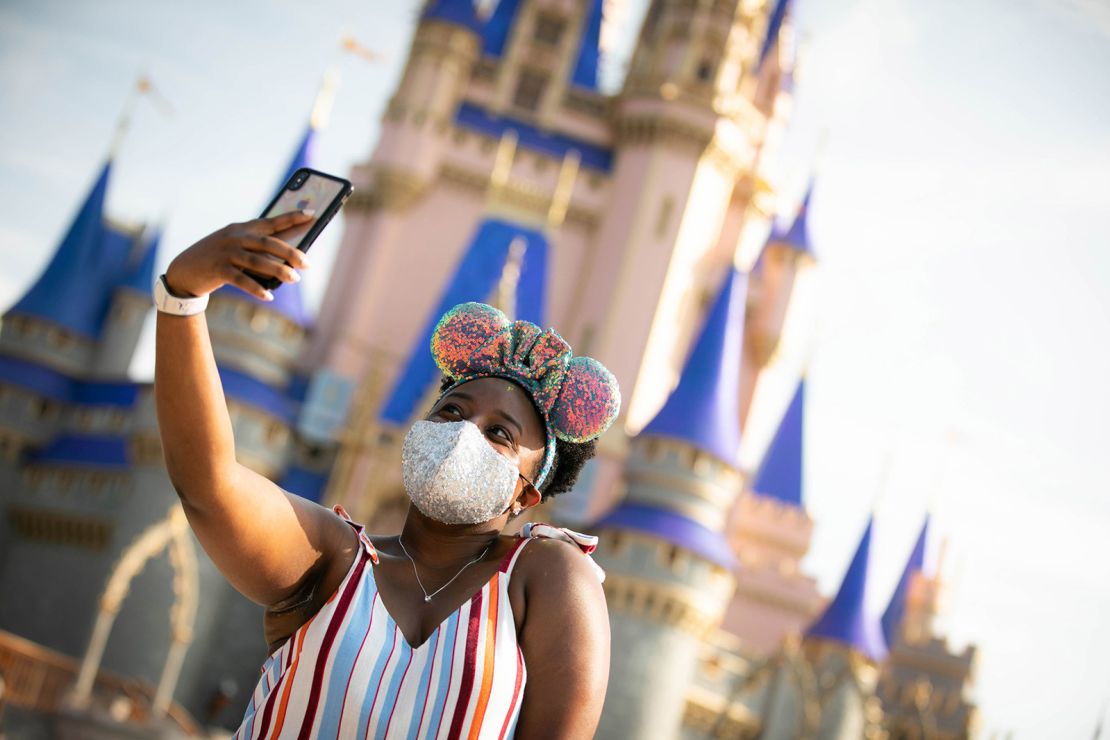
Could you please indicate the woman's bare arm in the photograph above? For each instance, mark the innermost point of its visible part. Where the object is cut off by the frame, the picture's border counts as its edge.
(266, 542)
(565, 641)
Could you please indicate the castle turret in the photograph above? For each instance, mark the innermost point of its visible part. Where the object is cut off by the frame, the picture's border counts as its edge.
(58, 320)
(841, 651)
(788, 249)
(924, 684)
(684, 136)
(669, 565)
(894, 615)
(771, 531)
(130, 307)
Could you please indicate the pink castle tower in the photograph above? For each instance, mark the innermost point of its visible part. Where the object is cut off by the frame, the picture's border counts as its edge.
(639, 198)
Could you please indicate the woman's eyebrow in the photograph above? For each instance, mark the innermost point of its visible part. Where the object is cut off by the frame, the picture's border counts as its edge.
(509, 418)
(458, 394)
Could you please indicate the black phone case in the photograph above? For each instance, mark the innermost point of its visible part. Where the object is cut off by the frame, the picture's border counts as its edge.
(270, 283)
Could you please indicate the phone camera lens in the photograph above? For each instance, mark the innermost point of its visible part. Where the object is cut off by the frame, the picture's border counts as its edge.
(298, 180)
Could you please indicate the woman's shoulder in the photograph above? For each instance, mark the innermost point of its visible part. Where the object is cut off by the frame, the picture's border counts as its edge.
(558, 557)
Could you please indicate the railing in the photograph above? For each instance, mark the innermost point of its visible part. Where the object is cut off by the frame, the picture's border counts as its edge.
(37, 678)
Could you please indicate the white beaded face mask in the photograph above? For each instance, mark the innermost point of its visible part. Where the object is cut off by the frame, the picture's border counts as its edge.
(453, 475)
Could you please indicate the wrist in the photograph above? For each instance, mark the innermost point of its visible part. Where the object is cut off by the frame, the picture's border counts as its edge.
(173, 287)
(167, 302)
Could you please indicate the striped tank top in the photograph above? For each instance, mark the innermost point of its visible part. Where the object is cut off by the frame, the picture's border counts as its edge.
(349, 672)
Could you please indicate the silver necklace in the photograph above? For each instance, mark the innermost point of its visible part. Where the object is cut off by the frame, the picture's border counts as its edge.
(428, 596)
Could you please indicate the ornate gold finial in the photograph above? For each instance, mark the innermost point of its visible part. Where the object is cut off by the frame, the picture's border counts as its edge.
(351, 45)
(510, 276)
(143, 87)
(564, 188)
(503, 162)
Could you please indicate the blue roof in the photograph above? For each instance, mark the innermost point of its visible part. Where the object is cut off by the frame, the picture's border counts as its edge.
(141, 276)
(704, 409)
(529, 137)
(59, 387)
(35, 378)
(305, 483)
(797, 236)
(85, 451)
(122, 395)
(288, 297)
(846, 619)
(496, 32)
(780, 473)
(896, 609)
(75, 289)
(459, 12)
(774, 25)
(250, 390)
(589, 50)
(474, 279)
(672, 527)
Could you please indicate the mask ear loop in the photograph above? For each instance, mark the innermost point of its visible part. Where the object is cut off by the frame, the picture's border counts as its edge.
(515, 507)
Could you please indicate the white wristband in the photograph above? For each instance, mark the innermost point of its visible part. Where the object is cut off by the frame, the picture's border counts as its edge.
(167, 302)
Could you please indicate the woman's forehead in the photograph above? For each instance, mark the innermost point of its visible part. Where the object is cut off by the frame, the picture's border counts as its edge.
(503, 395)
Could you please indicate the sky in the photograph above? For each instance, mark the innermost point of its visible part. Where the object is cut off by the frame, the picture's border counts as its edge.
(959, 360)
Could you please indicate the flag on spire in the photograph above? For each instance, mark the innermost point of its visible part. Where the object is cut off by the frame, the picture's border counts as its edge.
(846, 619)
(896, 609)
(780, 474)
(704, 408)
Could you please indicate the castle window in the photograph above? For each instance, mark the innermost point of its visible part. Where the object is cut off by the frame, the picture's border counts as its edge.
(705, 70)
(549, 29)
(44, 407)
(529, 90)
(275, 433)
(58, 338)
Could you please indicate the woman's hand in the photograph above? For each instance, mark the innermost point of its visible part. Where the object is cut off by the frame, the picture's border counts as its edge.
(220, 258)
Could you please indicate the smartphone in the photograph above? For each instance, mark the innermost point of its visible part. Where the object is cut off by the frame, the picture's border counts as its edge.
(306, 188)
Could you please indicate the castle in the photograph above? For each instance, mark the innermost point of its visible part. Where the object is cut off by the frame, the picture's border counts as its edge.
(502, 174)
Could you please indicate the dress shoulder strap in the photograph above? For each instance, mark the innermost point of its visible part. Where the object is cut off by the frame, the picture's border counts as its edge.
(587, 543)
(363, 539)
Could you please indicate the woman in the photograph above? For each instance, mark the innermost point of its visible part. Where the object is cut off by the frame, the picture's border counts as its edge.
(452, 629)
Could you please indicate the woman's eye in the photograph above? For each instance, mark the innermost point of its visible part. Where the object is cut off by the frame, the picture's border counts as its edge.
(451, 409)
(501, 433)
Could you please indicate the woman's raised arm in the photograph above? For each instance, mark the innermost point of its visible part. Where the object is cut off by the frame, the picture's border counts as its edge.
(269, 544)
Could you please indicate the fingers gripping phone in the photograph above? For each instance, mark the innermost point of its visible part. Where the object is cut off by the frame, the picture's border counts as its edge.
(306, 189)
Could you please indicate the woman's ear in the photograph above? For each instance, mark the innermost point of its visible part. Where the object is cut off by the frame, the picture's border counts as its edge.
(527, 498)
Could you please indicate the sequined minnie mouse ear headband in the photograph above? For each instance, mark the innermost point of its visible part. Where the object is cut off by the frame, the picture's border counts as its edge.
(576, 396)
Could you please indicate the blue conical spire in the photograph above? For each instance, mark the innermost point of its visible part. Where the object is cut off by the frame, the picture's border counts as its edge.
(459, 12)
(846, 619)
(896, 609)
(797, 236)
(495, 33)
(704, 409)
(288, 298)
(780, 474)
(74, 290)
(141, 277)
(774, 25)
(474, 279)
(589, 50)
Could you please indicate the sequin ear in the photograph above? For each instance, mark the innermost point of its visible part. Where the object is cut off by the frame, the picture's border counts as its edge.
(589, 401)
(461, 332)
